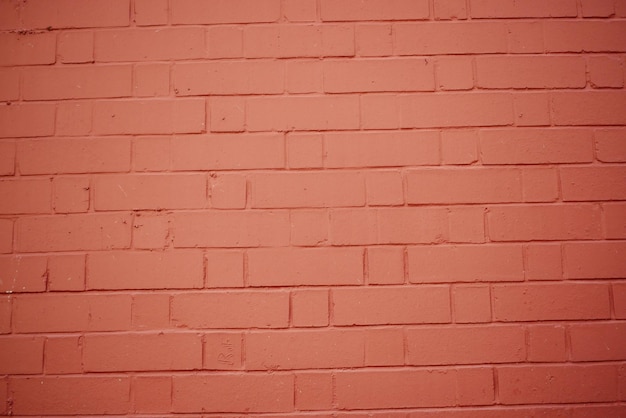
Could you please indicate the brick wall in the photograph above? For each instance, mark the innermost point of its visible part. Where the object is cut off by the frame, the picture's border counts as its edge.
(317, 208)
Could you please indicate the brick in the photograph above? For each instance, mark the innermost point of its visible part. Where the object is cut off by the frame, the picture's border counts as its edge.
(224, 269)
(216, 393)
(619, 300)
(455, 110)
(228, 191)
(78, 232)
(145, 270)
(450, 10)
(151, 153)
(26, 119)
(546, 384)
(71, 313)
(459, 147)
(19, 274)
(547, 302)
(151, 80)
(544, 222)
(70, 194)
(308, 189)
(384, 188)
(10, 19)
(305, 150)
(465, 345)
(305, 266)
(540, 184)
(345, 10)
(534, 146)
(21, 355)
(231, 310)
(532, 8)
(391, 305)
(605, 71)
(141, 352)
(150, 12)
(523, 72)
(384, 347)
(63, 355)
(309, 227)
(374, 75)
(597, 342)
(5, 314)
(411, 388)
(594, 108)
(584, 36)
(373, 39)
(531, 109)
(525, 37)
(454, 73)
(219, 152)
(593, 183)
(594, 260)
(385, 265)
(66, 272)
(445, 38)
(75, 47)
(591, 411)
(151, 231)
(310, 349)
(223, 351)
(25, 196)
(150, 311)
(314, 391)
(465, 263)
(471, 185)
(225, 41)
(304, 113)
(379, 111)
(375, 149)
(299, 10)
(9, 83)
(230, 229)
(466, 224)
(411, 225)
(73, 118)
(227, 114)
(229, 78)
(158, 117)
(543, 262)
(309, 308)
(70, 395)
(546, 343)
(218, 11)
(152, 394)
(7, 158)
(304, 76)
(6, 236)
(471, 304)
(610, 146)
(620, 8)
(614, 220)
(161, 44)
(42, 14)
(27, 49)
(354, 227)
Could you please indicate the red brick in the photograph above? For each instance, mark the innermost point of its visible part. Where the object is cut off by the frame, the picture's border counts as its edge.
(609, 411)
(70, 194)
(619, 300)
(384, 188)
(450, 9)
(25, 196)
(346, 10)
(71, 312)
(376, 149)
(391, 305)
(593, 183)
(19, 274)
(525, 37)
(472, 304)
(305, 266)
(225, 41)
(230, 229)
(465, 345)
(465, 263)
(224, 269)
(9, 19)
(150, 12)
(471, 185)
(455, 73)
(150, 311)
(236, 309)
(73, 232)
(530, 8)
(588, 108)
(304, 113)
(444, 38)
(531, 108)
(26, 119)
(459, 147)
(411, 225)
(74, 155)
(587, 36)
(299, 10)
(594, 260)
(66, 272)
(598, 342)
(547, 343)
(304, 76)
(540, 184)
(21, 355)
(223, 152)
(548, 302)
(141, 352)
(74, 118)
(411, 388)
(223, 351)
(151, 80)
(354, 227)
(543, 262)
(620, 8)
(74, 47)
(525, 72)
(157, 116)
(615, 220)
(9, 83)
(5, 314)
(308, 189)
(610, 146)
(233, 393)
(228, 191)
(43, 14)
(466, 224)
(152, 230)
(309, 227)
(314, 391)
(6, 236)
(544, 222)
(151, 153)
(374, 39)
(27, 48)
(605, 71)
(305, 150)
(149, 44)
(227, 114)
(70, 395)
(287, 350)
(379, 111)
(7, 158)
(455, 110)
(309, 308)
(63, 355)
(384, 347)
(219, 11)
(385, 265)
(557, 384)
(145, 270)
(534, 146)
(152, 394)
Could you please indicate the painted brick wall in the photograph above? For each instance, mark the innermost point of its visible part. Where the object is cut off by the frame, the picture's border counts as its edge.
(318, 208)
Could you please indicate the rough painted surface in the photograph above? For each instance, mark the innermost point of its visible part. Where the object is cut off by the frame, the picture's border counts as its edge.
(316, 208)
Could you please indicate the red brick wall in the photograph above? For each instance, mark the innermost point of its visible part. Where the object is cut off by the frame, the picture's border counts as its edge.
(319, 208)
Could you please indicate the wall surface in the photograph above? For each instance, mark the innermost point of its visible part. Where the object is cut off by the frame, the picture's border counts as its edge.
(316, 208)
